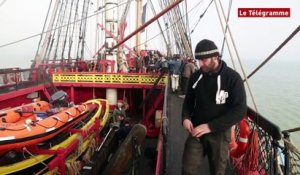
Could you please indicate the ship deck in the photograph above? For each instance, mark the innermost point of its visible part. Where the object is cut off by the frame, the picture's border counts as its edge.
(176, 139)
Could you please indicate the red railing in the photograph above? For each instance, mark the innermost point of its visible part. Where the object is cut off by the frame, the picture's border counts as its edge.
(159, 154)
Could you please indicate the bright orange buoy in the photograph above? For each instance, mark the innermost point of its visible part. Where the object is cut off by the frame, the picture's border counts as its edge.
(240, 149)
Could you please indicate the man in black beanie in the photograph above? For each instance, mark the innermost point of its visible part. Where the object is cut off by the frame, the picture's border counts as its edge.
(215, 101)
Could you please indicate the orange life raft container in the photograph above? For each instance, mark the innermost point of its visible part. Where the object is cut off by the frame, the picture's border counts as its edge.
(21, 113)
(37, 126)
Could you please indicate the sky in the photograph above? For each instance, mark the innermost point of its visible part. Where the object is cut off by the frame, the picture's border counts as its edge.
(255, 38)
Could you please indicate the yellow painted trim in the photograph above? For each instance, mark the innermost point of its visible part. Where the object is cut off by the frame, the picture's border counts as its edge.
(109, 78)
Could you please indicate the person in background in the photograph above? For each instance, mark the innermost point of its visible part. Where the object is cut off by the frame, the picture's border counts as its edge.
(188, 70)
(119, 113)
(174, 72)
(161, 65)
(214, 102)
(139, 64)
(120, 121)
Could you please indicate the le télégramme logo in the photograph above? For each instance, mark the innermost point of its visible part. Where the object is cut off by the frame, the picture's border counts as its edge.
(264, 12)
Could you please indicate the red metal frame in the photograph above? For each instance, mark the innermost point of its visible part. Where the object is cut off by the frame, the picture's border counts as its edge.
(113, 36)
(105, 63)
(154, 107)
(151, 130)
(72, 93)
(62, 153)
(46, 93)
(19, 97)
(99, 51)
(147, 23)
(21, 92)
(144, 107)
(159, 154)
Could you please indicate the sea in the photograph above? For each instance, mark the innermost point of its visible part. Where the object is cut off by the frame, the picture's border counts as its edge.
(276, 91)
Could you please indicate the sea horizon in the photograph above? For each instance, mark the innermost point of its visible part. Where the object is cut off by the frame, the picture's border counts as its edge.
(275, 88)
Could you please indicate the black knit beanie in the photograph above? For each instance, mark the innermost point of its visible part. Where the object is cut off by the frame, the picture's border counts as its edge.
(206, 49)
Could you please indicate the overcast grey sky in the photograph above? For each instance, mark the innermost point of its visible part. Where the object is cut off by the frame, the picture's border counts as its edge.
(256, 38)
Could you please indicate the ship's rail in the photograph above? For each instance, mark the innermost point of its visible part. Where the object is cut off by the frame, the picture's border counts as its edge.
(268, 150)
(276, 154)
(16, 79)
(292, 153)
(107, 78)
(19, 86)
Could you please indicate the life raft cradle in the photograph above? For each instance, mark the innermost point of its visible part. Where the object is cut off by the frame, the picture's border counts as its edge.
(61, 154)
(61, 151)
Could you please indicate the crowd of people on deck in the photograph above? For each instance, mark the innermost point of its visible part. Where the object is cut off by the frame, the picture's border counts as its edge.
(179, 67)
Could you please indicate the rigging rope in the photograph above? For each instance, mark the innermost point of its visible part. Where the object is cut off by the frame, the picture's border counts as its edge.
(80, 37)
(89, 50)
(183, 32)
(37, 51)
(227, 19)
(235, 49)
(188, 31)
(49, 48)
(160, 27)
(75, 21)
(275, 51)
(66, 36)
(34, 156)
(73, 31)
(87, 3)
(201, 16)
(60, 21)
(172, 23)
(50, 41)
(167, 18)
(166, 24)
(178, 35)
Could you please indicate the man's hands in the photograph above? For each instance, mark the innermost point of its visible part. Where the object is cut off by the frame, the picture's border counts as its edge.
(120, 118)
(187, 125)
(198, 131)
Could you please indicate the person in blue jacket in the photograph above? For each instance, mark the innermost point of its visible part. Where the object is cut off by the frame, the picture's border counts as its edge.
(174, 71)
